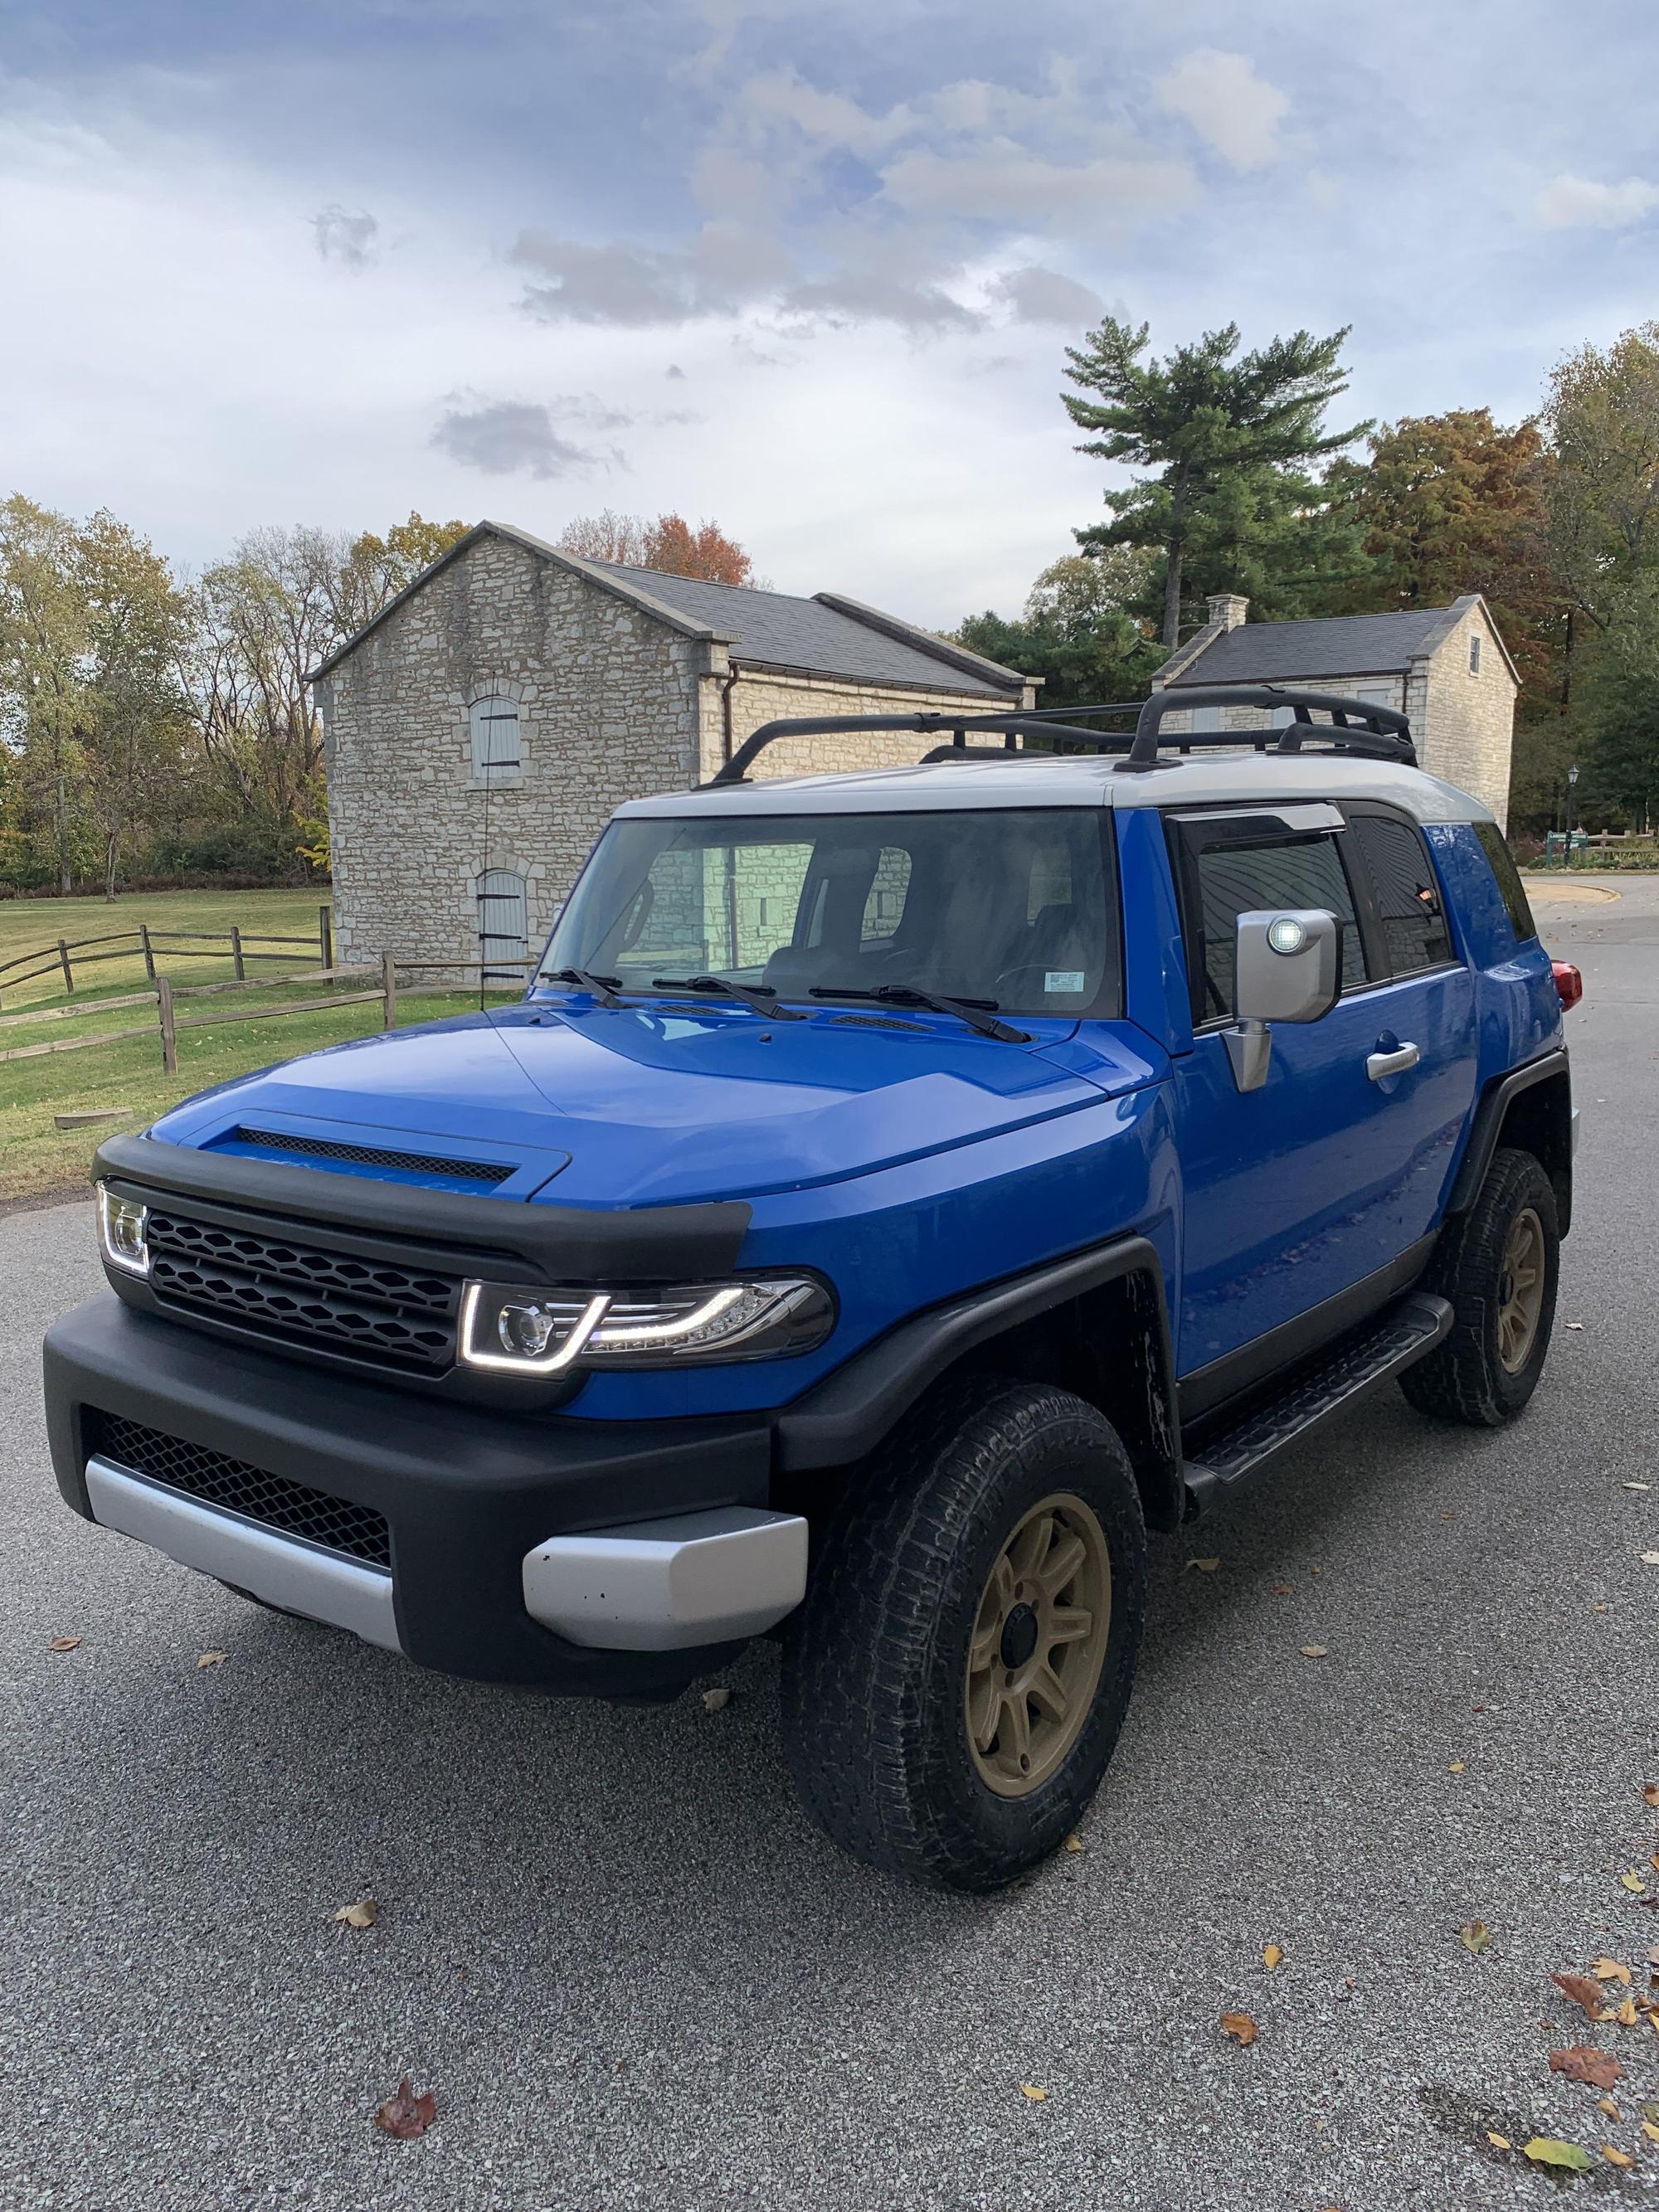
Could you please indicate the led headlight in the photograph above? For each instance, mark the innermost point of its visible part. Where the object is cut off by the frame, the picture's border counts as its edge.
(122, 1223)
(518, 1328)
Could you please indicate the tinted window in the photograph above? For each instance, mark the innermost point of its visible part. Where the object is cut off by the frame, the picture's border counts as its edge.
(1233, 879)
(1017, 906)
(1509, 878)
(1408, 905)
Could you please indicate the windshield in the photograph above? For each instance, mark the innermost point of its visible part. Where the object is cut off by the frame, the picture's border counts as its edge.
(1013, 907)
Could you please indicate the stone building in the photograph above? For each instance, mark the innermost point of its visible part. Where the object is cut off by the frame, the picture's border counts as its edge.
(1445, 667)
(482, 728)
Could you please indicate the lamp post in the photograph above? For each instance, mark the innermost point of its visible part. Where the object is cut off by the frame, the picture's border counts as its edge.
(1572, 778)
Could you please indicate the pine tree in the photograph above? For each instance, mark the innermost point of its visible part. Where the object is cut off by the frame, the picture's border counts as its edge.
(1226, 433)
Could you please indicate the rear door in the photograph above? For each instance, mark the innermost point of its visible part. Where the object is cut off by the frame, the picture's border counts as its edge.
(1298, 1194)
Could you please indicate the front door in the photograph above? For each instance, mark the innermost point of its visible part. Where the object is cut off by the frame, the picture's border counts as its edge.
(1297, 1193)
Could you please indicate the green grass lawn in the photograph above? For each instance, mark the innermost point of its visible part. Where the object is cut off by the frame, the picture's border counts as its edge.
(29, 924)
(35, 1158)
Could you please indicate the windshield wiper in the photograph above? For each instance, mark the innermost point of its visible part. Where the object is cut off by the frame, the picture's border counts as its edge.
(761, 1000)
(602, 988)
(978, 1013)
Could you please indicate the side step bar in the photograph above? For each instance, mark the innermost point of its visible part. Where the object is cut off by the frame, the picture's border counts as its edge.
(1364, 1360)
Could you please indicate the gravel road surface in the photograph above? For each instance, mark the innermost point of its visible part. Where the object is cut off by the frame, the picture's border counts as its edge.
(633, 1976)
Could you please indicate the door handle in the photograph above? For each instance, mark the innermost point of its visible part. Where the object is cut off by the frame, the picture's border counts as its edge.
(1381, 1063)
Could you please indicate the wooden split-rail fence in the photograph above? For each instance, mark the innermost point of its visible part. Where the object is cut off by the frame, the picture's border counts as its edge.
(167, 1022)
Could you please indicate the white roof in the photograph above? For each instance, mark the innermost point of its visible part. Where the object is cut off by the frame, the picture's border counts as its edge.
(1212, 777)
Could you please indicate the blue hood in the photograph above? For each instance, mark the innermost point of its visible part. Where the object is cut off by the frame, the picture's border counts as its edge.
(648, 1106)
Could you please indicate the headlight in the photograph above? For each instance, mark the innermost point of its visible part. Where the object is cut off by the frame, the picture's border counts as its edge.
(122, 1223)
(519, 1329)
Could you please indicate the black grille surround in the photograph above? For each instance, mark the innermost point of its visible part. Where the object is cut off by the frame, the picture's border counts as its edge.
(332, 1524)
(486, 1172)
(288, 1288)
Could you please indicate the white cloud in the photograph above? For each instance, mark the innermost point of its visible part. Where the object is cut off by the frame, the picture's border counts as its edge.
(343, 236)
(1568, 203)
(1043, 296)
(1234, 111)
(1002, 183)
(508, 437)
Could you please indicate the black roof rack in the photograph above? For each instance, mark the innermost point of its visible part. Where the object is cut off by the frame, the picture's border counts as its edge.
(1354, 725)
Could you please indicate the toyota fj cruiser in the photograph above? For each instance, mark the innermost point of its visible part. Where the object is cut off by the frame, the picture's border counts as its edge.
(896, 1193)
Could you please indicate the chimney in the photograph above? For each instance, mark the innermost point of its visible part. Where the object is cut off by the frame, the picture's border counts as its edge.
(1227, 610)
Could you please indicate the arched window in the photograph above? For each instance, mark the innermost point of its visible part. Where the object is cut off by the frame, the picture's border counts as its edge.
(496, 754)
(503, 926)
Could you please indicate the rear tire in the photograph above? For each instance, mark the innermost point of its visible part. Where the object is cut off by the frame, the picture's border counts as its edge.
(956, 1679)
(1498, 1264)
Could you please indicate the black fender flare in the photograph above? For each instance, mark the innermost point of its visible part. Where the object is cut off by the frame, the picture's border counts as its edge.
(845, 1416)
(1488, 1122)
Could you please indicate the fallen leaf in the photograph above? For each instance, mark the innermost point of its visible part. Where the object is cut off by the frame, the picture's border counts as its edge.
(407, 2116)
(1633, 1882)
(1575, 1324)
(363, 1914)
(1283, 1590)
(1616, 2157)
(1314, 1651)
(716, 1701)
(211, 1659)
(1456, 1767)
(64, 1644)
(1204, 1567)
(1549, 2150)
(1584, 2063)
(1498, 2142)
(1449, 1516)
(1271, 1955)
(1474, 1935)
(1240, 2026)
(1582, 1991)
(1612, 1969)
(1626, 2014)
(1650, 1559)
(1638, 1486)
(1651, 1792)
(1032, 2094)
(1652, 2112)
(1606, 2105)
(1073, 1842)
(1648, 2127)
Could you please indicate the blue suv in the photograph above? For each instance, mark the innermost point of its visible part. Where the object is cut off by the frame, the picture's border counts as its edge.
(896, 1193)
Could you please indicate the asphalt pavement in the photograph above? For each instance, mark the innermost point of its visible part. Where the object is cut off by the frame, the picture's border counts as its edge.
(632, 1975)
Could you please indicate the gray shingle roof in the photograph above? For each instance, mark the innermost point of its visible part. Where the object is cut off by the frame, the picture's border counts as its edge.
(780, 631)
(1336, 645)
(829, 635)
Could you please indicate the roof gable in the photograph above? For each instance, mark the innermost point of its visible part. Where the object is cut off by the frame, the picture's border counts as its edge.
(826, 636)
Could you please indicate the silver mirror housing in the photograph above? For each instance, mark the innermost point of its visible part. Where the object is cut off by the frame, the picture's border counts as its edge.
(1289, 964)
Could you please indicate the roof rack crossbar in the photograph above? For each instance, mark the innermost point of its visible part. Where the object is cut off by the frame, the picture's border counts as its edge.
(1354, 725)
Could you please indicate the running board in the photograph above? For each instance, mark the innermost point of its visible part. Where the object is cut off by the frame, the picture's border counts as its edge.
(1359, 1365)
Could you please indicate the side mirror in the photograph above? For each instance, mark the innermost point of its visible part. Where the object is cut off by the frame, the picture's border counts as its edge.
(1288, 969)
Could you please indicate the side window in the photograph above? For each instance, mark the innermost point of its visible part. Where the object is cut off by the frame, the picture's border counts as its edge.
(1508, 880)
(885, 906)
(1225, 880)
(1408, 904)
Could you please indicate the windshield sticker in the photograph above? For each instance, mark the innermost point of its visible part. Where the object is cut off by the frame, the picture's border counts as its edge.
(1063, 979)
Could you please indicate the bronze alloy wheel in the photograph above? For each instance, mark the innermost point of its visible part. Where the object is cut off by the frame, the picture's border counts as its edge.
(1039, 1645)
(1521, 1291)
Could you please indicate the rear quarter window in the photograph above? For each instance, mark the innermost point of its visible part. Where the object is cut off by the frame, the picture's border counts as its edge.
(1407, 893)
(1514, 891)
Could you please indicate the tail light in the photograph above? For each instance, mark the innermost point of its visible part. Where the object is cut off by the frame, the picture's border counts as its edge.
(1568, 981)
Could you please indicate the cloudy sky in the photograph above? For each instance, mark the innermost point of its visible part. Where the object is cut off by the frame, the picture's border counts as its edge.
(808, 268)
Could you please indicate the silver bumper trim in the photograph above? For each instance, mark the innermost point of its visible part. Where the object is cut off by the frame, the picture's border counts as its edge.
(707, 1577)
(279, 1569)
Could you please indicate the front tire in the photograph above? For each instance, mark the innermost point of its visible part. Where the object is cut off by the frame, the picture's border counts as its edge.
(955, 1682)
(1498, 1264)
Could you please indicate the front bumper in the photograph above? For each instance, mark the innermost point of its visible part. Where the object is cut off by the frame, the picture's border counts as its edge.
(647, 1548)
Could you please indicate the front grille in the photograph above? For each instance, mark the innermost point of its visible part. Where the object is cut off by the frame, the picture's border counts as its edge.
(489, 1172)
(283, 1287)
(333, 1523)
